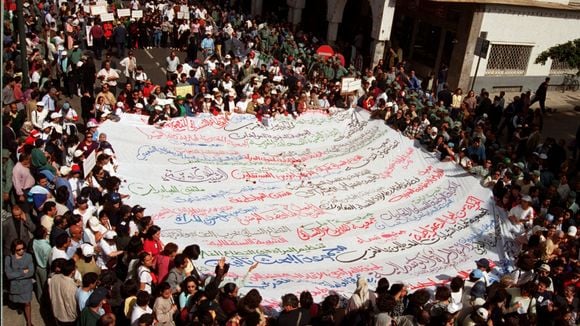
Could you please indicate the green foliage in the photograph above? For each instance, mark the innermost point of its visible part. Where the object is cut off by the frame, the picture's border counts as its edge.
(567, 52)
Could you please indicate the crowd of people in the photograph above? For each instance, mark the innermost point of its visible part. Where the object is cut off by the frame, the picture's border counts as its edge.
(90, 259)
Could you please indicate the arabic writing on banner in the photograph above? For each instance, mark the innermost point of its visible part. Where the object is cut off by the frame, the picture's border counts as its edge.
(316, 200)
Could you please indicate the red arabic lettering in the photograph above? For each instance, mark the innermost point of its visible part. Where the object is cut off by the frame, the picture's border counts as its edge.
(399, 160)
(437, 174)
(259, 197)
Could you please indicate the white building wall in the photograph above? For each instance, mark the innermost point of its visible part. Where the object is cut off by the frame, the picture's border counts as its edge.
(541, 28)
(563, 2)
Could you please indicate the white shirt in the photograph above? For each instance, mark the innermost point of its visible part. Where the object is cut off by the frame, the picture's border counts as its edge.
(35, 78)
(106, 250)
(56, 253)
(38, 117)
(138, 312)
(130, 64)
(242, 106)
(172, 64)
(522, 215)
(141, 77)
(144, 275)
(111, 73)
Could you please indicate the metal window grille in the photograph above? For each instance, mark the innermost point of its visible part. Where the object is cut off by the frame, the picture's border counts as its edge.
(561, 68)
(507, 59)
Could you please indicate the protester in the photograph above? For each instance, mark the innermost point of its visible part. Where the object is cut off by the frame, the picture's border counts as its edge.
(242, 65)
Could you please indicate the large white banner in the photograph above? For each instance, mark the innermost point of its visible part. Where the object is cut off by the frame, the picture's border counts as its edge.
(317, 200)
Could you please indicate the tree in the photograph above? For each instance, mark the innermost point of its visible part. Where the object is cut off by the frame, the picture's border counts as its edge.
(567, 52)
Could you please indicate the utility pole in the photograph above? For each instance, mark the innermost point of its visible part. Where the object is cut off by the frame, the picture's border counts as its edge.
(22, 43)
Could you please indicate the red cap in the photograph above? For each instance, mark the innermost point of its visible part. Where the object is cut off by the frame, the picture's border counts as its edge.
(35, 133)
(75, 168)
(30, 140)
(255, 96)
(169, 83)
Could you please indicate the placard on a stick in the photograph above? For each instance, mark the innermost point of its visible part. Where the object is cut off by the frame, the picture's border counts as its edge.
(137, 13)
(123, 13)
(108, 17)
(183, 90)
(98, 10)
(349, 85)
(89, 163)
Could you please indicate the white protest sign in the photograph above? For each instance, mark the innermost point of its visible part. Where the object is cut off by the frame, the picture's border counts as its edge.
(316, 200)
(89, 163)
(108, 17)
(123, 13)
(349, 85)
(98, 10)
(137, 13)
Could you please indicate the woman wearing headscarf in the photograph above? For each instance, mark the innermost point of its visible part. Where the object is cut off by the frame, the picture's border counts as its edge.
(361, 304)
(40, 162)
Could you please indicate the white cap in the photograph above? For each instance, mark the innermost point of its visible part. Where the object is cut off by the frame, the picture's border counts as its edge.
(273, 92)
(483, 313)
(64, 53)
(120, 104)
(64, 170)
(58, 128)
(78, 153)
(527, 198)
(139, 105)
(55, 115)
(105, 113)
(538, 228)
(40, 104)
(545, 268)
(158, 108)
(96, 226)
(108, 151)
(434, 129)
(92, 124)
(110, 235)
(87, 249)
(543, 156)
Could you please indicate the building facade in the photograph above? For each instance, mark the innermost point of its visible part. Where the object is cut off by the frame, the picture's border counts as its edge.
(433, 33)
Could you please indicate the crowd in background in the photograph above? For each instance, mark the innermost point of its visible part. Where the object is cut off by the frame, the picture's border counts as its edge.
(70, 240)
